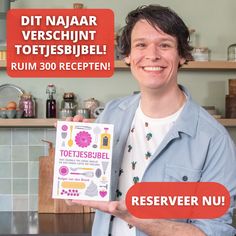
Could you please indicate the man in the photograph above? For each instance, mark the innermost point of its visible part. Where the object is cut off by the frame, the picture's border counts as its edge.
(161, 134)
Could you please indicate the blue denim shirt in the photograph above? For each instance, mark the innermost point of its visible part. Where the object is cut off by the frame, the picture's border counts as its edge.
(197, 146)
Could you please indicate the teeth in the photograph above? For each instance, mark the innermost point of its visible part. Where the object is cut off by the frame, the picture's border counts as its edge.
(150, 68)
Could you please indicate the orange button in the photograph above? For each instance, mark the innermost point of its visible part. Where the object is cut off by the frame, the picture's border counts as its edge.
(177, 200)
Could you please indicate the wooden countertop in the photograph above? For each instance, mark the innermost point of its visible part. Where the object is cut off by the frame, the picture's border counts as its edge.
(25, 122)
(24, 223)
(49, 123)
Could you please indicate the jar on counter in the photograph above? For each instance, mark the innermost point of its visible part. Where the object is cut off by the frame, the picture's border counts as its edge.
(232, 52)
(68, 105)
(27, 105)
(200, 54)
(91, 104)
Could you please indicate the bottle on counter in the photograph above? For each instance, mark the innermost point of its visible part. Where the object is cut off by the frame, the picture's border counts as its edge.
(51, 102)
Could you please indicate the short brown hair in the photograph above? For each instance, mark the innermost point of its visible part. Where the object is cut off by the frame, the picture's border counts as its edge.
(163, 17)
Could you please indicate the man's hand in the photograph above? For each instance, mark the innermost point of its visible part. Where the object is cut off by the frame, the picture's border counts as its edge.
(152, 227)
(115, 208)
(79, 118)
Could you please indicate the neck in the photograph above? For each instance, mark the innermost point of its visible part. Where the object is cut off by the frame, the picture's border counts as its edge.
(161, 104)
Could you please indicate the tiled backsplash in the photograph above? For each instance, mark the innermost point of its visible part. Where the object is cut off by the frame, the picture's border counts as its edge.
(20, 149)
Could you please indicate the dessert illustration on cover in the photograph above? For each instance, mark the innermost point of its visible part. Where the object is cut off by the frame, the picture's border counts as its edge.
(83, 155)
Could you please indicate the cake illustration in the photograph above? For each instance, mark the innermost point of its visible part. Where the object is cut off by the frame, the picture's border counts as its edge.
(92, 190)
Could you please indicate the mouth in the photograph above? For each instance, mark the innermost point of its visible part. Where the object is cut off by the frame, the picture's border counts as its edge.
(153, 68)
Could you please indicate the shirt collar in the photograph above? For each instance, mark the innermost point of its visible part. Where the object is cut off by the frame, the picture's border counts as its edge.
(187, 120)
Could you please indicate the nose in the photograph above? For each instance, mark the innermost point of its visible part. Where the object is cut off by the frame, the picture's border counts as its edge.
(152, 52)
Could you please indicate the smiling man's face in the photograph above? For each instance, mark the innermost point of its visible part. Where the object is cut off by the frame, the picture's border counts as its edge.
(154, 58)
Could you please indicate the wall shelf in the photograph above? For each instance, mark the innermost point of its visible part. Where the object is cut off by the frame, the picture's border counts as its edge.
(13, 123)
(195, 65)
(228, 122)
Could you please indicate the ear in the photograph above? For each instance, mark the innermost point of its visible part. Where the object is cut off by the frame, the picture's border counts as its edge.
(182, 61)
(127, 60)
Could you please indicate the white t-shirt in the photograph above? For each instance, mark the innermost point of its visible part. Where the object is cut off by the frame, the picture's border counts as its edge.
(145, 136)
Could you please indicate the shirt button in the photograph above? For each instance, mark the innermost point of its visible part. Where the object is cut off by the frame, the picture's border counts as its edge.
(185, 178)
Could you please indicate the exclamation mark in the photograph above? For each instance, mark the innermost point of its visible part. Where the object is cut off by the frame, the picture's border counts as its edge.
(104, 49)
(223, 200)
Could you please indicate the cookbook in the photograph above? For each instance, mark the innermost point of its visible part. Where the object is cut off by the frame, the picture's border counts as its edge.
(82, 166)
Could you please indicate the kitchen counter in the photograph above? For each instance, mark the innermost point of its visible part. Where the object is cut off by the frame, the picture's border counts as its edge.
(49, 123)
(51, 224)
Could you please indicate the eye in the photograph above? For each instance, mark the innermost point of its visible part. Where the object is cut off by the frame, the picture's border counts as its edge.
(165, 45)
(140, 45)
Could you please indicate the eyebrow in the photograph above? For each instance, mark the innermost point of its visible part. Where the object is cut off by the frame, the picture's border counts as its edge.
(162, 39)
(138, 39)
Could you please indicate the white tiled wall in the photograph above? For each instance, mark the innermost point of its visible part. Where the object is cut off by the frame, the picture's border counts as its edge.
(20, 149)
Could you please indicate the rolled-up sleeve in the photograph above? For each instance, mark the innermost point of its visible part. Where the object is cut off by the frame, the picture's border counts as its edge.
(220, 167)
(215, 227)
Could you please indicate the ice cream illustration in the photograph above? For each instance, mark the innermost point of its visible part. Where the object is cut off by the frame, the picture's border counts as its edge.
(92, 190)
(104, 166)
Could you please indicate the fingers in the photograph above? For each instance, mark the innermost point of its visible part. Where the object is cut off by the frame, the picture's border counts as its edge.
(99, 205)
(88, 120)
(69, 118)
(78, 118)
